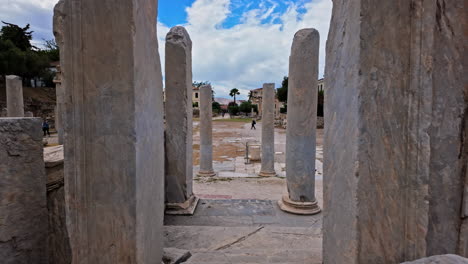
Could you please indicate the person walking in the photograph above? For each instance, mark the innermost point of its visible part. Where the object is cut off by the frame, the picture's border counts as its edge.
(253, 125)
(45, 128)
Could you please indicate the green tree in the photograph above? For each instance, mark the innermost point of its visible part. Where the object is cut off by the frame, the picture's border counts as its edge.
(200, 84)
(20, 37)
(250, 96)
(19, 57)
(282, 92)
(51, 50)
(233, 93)
(246, 107)
(12, 59)
(216, 107)
(233, 109)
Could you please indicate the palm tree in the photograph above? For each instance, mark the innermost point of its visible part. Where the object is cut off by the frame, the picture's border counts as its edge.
(233, 93)
(250, 96)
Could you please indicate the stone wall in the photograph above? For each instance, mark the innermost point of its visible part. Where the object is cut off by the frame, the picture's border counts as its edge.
(394, 154)
(23, 212)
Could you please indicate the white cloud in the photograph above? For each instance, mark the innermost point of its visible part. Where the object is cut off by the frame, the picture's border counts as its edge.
(253, 52)
(244, 56)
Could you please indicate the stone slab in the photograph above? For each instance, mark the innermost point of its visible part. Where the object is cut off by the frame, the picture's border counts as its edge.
(23, 204)
(396, 105)
(442, 259)
(236, 212)
(175, 255)
(113, 127)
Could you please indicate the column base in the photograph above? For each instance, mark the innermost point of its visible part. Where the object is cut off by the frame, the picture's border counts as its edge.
(206, 173)
(267, 174)
(186, 208)
(299, 208)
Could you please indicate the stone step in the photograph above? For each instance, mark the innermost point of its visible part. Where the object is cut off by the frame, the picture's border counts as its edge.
(247, 244)
(258, 256)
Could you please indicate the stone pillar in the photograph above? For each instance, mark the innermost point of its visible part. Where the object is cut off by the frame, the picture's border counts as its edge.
(14, 93)
(114, 130)
(302, 123)
(59, 106)
(268, 131)
(206, 131)
(23, 201)
(395, 152)
(178, 143)
(252, 113)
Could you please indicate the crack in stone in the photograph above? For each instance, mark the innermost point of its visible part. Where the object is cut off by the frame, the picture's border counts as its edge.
(240, 239)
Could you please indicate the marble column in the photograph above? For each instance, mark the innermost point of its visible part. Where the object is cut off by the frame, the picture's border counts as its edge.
(23, 201)
(206, 132)
(59, 105)
(14, 94)
(114, 130)
(396, 127)
(302, 123)
(178, 144)
(268, 131)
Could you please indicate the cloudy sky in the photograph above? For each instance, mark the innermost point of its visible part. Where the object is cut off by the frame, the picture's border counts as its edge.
(236, 43)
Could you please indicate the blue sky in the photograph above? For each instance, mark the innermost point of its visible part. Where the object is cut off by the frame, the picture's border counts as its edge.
(236, 43)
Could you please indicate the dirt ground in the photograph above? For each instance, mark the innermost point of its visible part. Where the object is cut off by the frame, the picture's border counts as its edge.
(228, 144)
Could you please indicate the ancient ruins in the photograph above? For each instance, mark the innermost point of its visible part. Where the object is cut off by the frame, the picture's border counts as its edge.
(121, 187)
(268, 136)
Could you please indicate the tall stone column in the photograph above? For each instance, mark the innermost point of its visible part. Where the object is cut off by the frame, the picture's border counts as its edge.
(178, 143)
(268, 131)
(14, 93)
(206, 132)
(23, 201)
(395, 146)
(114, 130)
(59, 105)
(302, 124)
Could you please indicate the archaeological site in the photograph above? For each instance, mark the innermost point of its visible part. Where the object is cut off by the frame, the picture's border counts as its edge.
(360, 156)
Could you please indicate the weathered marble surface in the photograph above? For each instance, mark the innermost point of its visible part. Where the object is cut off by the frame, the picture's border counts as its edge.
(14, 94)
(268, 130)
(58, 29)
(113, 125)
(178, 109)
(23, 206)
(395, 108)
(206, 131)
(442, 259)
(302, 116)
(58, 239)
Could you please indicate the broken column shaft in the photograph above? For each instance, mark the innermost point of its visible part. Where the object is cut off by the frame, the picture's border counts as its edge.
(302, 123)
(14, 93)
(206, 127)
(268, 130)
(178, 143)
(114, 143)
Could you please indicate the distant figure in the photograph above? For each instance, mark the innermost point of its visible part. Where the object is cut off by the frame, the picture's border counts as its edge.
(45, 128)
(223, 113)
(253, 125)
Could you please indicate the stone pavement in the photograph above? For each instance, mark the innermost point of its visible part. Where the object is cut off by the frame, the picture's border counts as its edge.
(234, 166)
(245, 231)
